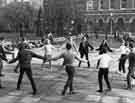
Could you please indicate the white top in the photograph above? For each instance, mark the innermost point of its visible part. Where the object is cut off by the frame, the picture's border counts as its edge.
(104, 60)
(123, 49)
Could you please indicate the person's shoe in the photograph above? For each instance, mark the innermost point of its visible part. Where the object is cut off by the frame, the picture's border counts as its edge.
(72, 92)
(1, 75)
(63, 93)
(34, 93)
(100, 91)
(15, 71)
(128, 88)
(1, 87)
(17, 88)
(109, 89)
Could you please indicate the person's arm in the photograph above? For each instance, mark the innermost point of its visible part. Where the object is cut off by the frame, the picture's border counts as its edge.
(15, 59)
(98, 64)
(3, 58)
(80, 59)
(56, 57)
(75, 47)
(37, 56)
(90, 46)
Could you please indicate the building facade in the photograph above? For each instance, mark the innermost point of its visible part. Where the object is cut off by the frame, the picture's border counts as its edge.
(110, 15)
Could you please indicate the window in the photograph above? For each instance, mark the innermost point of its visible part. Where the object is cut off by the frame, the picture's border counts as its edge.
(90, 4)
(101, 4)
(112, 4)
(123, 3)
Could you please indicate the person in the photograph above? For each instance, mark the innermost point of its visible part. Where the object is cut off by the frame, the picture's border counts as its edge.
(68, 57)
(124, 50)
(131, 59)
(103, 65)
(71, 41)
(25, 57)
(48, 48)
(84, 49)
(50, 37)
(2, 53)
(104, 44)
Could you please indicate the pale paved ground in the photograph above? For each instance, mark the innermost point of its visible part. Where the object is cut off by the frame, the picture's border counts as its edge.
(50, 84)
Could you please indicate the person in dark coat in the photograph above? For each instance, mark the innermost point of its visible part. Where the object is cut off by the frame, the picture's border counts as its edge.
(131, 67)
(104, 44)
(84, 49)
(25, 57)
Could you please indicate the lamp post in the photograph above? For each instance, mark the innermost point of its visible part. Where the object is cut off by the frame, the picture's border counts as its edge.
(111, 25)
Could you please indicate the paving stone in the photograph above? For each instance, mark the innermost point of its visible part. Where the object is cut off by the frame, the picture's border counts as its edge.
(16, 93)
(53, 98)
(8, 99)
(127, 100)
(123, 93)
(49, 77)
(29, 99)
(110, 99)
(93, 98)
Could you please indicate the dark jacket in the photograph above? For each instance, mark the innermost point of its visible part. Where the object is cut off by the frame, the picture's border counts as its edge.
(2, 52)
(84, 48)
(25, 57)
(104, 45)
(131, 59)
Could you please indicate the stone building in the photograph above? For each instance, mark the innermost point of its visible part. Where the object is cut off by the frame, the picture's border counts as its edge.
(110, 15)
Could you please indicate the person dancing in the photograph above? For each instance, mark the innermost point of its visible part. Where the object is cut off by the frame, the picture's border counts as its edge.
(68, 57)
(25, 57)
(103, 65)
(84, 49)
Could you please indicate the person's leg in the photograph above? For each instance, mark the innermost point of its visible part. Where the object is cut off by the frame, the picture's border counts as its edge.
(129, 79)
(29, 74)
(120, 64)
(87, 58)
(81, 55)
(20, 78)
(67, 82)
(16, 68)
(106, 71)
(100, 77)
(71, 80)
(123, 63)
(1, 68)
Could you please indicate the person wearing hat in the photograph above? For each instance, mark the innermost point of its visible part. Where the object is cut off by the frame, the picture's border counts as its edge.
(84, 49)
(25, 57)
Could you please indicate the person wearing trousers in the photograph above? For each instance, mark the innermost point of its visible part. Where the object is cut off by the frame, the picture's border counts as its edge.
(3, 54)
(131, 59)
(124, 50)
(25, 57)
(104, 44)
(103, 65)
(84, 50)
(68, 57)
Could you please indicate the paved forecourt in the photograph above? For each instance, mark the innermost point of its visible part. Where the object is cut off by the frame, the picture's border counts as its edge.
(50, 84)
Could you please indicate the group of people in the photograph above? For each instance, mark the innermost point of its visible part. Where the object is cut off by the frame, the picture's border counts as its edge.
(69, 54)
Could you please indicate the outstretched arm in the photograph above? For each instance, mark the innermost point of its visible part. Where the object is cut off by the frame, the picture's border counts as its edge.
(56, 57)
(15, 59)
(80, 59)
(90, 46)
(37, 56)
